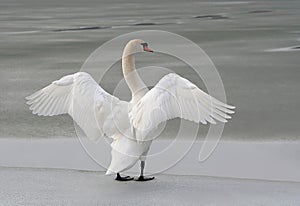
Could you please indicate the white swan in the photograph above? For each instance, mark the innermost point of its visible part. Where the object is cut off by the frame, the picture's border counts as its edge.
(128, 123)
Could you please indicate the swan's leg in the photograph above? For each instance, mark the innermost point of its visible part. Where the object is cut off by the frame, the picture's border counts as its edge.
(142, 177)
(120, 178)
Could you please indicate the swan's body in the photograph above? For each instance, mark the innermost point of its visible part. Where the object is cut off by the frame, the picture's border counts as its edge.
(98, 113)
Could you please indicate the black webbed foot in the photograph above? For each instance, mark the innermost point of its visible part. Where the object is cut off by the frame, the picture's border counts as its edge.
(120, 178)
(143, 178)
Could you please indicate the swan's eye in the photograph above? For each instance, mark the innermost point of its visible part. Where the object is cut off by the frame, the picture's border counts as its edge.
(144, 45)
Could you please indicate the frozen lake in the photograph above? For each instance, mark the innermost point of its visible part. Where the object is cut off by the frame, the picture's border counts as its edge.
(42, 41)
(255, 47)
(67, 187)
(273, 161)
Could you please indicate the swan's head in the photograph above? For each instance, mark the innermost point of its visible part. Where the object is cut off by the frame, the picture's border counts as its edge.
(135, 46)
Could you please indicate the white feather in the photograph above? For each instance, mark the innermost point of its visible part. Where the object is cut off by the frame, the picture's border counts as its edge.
(78, 95)
(99, 113)
(176, 97)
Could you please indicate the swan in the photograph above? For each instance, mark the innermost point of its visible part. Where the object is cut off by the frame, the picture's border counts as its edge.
(99, 113)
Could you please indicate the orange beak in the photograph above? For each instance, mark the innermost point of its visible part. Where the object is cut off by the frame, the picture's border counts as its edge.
(147, 49)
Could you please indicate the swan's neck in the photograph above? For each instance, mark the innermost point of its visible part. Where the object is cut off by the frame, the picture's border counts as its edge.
(133, 80)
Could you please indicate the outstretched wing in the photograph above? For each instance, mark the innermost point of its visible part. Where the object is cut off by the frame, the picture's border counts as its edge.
(84, 100)
(173, 97)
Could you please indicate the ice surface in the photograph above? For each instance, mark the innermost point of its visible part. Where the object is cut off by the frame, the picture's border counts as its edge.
(249, 160)
(76, 188)
(44, 40)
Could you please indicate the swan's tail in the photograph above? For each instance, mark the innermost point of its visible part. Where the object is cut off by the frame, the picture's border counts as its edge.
(109, 172)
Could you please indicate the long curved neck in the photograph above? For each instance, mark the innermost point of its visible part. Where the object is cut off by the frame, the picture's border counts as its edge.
(132, 78)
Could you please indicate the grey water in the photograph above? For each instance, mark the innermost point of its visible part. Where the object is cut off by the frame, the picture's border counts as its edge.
(40, 41)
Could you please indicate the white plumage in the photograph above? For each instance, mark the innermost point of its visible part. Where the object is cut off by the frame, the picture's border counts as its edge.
(173, 97)
(83, 99)
(98, 113)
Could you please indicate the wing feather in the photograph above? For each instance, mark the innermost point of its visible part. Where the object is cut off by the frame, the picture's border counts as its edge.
(174, 97)
(83, 99)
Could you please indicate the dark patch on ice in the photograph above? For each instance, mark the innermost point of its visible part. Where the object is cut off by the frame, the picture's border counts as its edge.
(285, 49)
(296, 48)
(81, 28)
(149, 24)
(145, 24)
(259, 11)
(211, 16)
